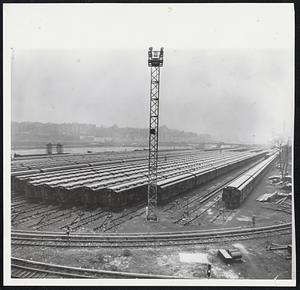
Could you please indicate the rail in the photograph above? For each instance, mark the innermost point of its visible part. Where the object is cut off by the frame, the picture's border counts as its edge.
(143, 239)
(195, 205)
(22, 268)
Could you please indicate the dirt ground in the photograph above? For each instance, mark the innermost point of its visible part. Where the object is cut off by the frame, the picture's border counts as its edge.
(184, 261)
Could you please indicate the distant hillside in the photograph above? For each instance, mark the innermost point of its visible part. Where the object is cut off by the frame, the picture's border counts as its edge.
(34, 134)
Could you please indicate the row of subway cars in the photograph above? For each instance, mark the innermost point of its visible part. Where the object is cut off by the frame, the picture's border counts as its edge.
(116, 185)
(238, 190)
(117, 195)
(46, 163)
(176, 185)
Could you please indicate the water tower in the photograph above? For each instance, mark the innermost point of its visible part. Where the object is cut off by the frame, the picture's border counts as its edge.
(49, 148)
(59, 148)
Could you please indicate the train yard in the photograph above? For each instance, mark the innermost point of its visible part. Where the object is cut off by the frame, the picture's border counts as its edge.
(125, 182)
(86, 202)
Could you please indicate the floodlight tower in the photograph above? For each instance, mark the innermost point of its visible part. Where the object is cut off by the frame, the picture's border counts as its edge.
(155, 61)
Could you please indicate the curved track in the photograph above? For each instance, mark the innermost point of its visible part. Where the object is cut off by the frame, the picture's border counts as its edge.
(58, 239)
(21, 268)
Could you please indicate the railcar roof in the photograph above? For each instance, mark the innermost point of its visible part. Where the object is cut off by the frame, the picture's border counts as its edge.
(239, 182)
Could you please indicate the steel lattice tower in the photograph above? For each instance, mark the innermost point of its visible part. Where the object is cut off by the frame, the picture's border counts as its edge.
(155, 61)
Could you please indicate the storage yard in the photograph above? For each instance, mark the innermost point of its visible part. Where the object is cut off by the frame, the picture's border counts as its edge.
(149, 145)
(121, 183)
(83, 216)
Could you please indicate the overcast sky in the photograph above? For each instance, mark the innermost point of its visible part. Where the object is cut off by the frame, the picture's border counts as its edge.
(231, 78)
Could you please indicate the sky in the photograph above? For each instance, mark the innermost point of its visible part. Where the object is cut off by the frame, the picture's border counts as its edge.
(228, 69)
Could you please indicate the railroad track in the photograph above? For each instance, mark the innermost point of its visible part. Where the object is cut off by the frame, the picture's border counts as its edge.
(16, 197)
(25, 205)
(19, 203)
(195, 213)
(59, 239)
(21, 268)
(85, 219)
(126, 216)
(54, 214)
(205, 201)
(193, 219)
(36, 213)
